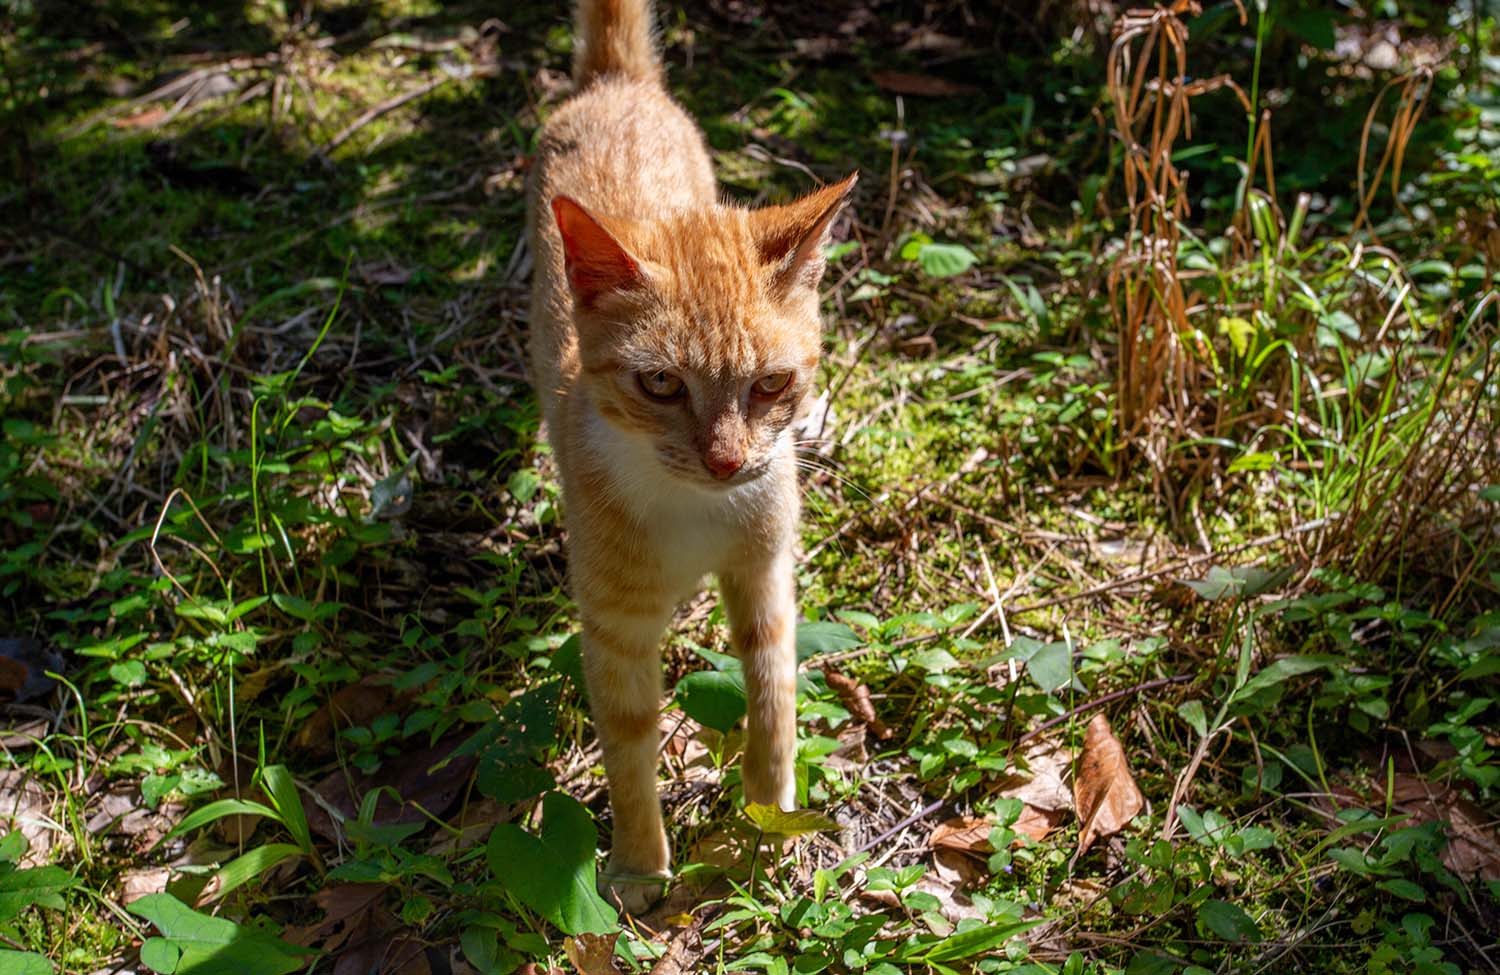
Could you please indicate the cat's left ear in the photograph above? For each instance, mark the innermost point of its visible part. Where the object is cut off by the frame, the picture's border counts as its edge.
(791, 237)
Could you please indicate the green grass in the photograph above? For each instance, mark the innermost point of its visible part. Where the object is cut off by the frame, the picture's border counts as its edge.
(274, 510)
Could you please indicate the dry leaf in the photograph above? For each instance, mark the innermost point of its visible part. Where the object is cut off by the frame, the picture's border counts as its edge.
(351, 706)
(683, 952)
(347, 910)
(593, 954)
(1473, 847)
(135, 884)
(1037, 823)
(25, 805)
(424, 789)
(1045, 788)
(856, 697)
(905, 83)
(1104, 791)
(963, 834)
(382, 272)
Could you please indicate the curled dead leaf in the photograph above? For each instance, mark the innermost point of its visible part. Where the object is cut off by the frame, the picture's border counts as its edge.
(593, 954)
(1104, 791)
(856, 697)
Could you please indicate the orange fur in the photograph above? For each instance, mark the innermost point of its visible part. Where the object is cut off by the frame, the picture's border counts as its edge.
(643, 276)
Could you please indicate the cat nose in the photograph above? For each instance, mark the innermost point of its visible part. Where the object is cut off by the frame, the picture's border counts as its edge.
(723, 463)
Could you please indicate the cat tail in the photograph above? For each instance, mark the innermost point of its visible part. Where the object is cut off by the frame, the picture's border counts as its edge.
(614, 37)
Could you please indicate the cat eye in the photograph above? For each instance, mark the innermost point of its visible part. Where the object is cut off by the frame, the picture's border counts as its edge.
(773, 384)
(661, 384)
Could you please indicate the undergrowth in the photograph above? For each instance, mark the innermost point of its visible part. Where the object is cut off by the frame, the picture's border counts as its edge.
(1151, 564)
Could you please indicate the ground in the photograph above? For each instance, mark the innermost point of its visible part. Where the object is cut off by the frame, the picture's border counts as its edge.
(1150, 563)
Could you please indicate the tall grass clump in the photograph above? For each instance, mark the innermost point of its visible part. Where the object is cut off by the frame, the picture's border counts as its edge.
(1305, 363)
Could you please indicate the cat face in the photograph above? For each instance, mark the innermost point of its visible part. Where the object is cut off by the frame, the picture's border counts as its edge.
(699, 335)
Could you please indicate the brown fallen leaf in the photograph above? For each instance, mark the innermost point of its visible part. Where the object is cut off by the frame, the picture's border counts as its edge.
(963, 834)
(135, 884)
(683, 951)
(346, 912)
(593, 954)
(1473, 848)
(27, 806)
(351, 706)
(1104, 791)
(856, 697)
(1042, 786)
(1037, 824)
(906, 83)
(425, 789)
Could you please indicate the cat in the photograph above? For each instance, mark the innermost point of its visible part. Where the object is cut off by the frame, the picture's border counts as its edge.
(674, 338)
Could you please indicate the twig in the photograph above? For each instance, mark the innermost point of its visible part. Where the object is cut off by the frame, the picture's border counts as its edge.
(391, 104)
(1149, 685)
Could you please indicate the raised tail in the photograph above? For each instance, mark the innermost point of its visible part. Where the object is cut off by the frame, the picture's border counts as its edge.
(614, 37)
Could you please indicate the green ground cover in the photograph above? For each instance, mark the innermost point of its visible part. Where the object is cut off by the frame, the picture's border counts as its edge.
(1152, 576)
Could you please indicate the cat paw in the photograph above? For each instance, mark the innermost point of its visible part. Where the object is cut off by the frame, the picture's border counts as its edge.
(634, 893)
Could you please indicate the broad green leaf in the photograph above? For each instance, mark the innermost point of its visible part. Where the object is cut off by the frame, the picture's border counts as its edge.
(218, 810)
(196, 944)
(824, 637)
(1228, 921)
(243, 869)
(778, 822)
(945, 260)
(24, 963)
(39, 886)
(1051, 666)
(714, 699)
(553, 874)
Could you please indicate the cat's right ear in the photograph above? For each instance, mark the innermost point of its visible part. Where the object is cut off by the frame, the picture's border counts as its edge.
(597, 263)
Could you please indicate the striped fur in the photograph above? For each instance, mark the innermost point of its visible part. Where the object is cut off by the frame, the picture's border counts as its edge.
(641, 270)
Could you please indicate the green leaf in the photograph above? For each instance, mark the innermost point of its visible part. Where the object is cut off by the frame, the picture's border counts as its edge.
(39, 886)
(553, 874)
(1404, 889)
(1490, 492)
(1051, 666)
(277, 782)
(778, 822)
(1240, 332)
(945, 260)
(967, 944)
(1228, 921)
(1285, 669)
(218, 810)
(1192, 713)
(713, 698)
(24, 963)
(243, 869)
(196, 944)
(824, 637)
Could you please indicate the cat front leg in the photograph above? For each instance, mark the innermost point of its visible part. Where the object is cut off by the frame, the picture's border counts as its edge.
(622, 667)
(760, 600)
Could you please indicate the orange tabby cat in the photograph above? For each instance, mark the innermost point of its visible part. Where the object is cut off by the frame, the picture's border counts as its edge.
(673, 338)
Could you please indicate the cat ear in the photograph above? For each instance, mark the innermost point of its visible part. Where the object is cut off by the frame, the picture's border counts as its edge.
(791, 237)
(596, 262)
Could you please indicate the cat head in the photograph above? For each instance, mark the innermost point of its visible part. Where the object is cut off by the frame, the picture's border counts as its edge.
(699, 333)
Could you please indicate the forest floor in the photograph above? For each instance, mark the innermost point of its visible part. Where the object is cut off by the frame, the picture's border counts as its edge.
(1151, 568)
